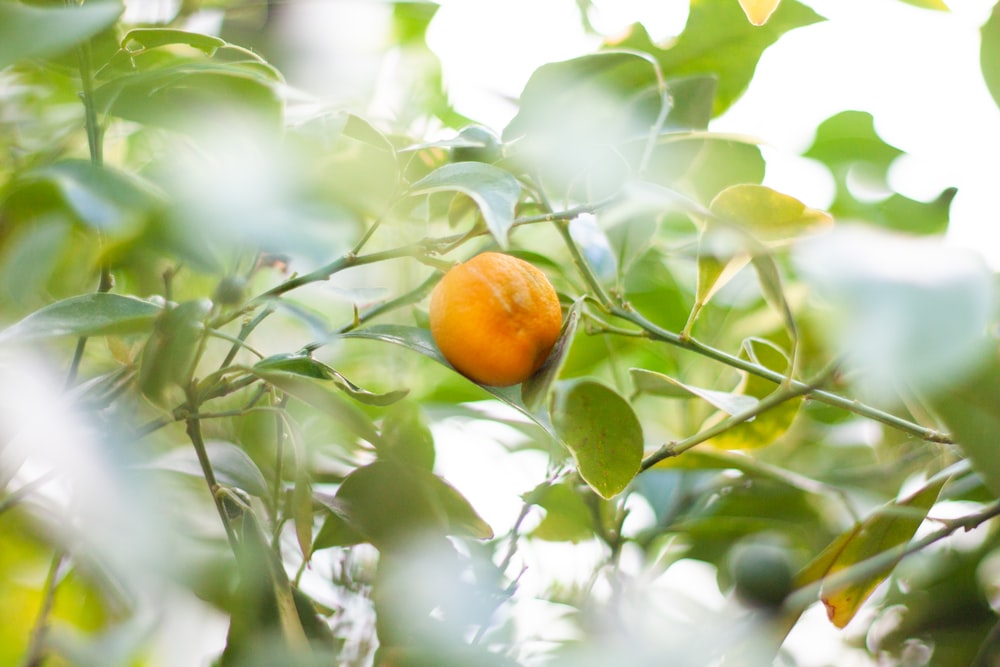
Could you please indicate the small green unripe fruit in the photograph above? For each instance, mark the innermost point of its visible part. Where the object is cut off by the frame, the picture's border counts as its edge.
(230, 291)
(476, 143)
(763, 573)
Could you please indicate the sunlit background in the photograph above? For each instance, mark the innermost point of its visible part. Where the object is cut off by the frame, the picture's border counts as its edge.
(916, 71)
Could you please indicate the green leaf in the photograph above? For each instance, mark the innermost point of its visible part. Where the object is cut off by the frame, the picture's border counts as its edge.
(771, 285)
(306, 366)
(320, 396)
(890, 526)
(767, 427)
(768, 215)
(848, 144)
(232, 466)
(905, 309)
(28, 31)
(336, 531)
(390, 503)
(406, 436)
(718, 40)
(85, 315)
(587, 99)
(535, 390)
(99, 197)
(701, 165)
(989, 53)
(494, 190)
(151, 38)
(601, 432)
(302, 510)
(183, 94)
(658, 384)
(567, 517)
(971, 411)
(170, 352)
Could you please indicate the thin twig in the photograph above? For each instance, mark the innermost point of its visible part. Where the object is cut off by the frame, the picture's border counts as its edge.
(36, 647)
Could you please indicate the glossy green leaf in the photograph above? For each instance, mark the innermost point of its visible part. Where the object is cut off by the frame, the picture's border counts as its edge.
(170, 352)
(494, 190)
(29, 31)
(102, 198)
(300, 364)
(231, 465)
(719, 40)
(888, 527)
(768, 215)
(85, 315)
(567, 517)
(905, 309)
(321, 396)
(601, 432)
(658, 384)
(970, 409)
(536, 389)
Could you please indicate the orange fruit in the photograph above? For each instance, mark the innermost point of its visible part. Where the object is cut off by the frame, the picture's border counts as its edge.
(495, 318)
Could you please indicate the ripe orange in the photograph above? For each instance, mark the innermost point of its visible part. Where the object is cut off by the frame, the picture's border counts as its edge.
(495, 318)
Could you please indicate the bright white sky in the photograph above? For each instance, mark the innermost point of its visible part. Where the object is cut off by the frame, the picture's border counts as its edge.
(917, 71)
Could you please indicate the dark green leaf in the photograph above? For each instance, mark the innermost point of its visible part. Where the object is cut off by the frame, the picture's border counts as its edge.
(494, 190)
(306, 366)
(27, 31)
(336, 531)
(170, 352)
(971, 410)
(601, 431)
(406, 436)
(85, 315)
(324, 398)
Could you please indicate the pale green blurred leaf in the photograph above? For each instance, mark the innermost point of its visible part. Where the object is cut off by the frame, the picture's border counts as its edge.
(567, 517)
(232, 466)
(494, 190)
(768, 215)
(85, 315)
(29, 31)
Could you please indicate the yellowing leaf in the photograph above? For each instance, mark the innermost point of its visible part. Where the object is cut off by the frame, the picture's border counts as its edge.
(770, 216)
(888, 527)
(759, 11)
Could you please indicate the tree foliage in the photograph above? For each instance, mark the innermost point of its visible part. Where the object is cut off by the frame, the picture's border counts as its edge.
(219, 389)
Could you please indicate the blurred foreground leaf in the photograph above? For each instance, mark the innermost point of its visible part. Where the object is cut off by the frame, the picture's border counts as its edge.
(30, 31)
(85, 315)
